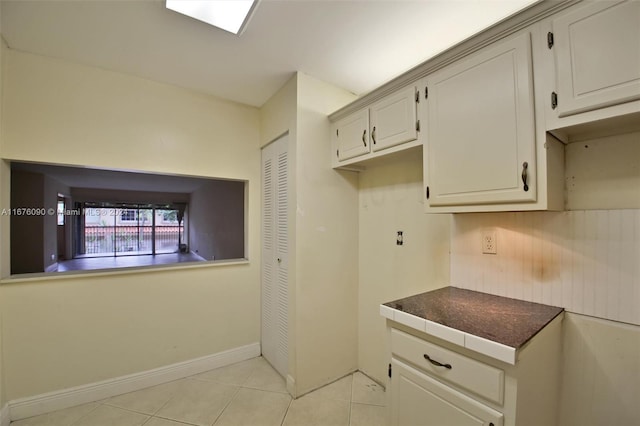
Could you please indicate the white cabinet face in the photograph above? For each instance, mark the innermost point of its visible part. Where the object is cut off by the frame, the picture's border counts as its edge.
(597, 50)
(352, 135)
(481, 128)
(419, 400)
(393, 119)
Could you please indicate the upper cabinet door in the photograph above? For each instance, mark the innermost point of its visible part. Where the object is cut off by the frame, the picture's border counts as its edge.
(352, 135)
(393, 119)
(597, 48)
(480, 147)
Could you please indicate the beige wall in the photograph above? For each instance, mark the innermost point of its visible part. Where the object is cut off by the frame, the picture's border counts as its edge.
(323, 235)
(326, 244)
(600, 373)
(59, 112)
(61, 331)
(278, 115)
(35, 246)
(391, 201)
(216, 224)
(27, 251)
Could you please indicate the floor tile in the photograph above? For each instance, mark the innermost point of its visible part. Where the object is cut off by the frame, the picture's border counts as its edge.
(146, 401)
(64, 417)
(248, 393)
(367, 415)
(264, 377)
(199, 402)
(251, 407)
(235, 374)
(366, 391)
(156, 421)
(307, 411)
(340, 390)
(111, 416)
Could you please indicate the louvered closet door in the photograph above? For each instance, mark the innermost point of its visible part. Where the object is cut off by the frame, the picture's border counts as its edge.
(275, 302)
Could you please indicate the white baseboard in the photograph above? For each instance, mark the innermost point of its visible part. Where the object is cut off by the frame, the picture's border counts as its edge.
(4, 416)
(65, 398)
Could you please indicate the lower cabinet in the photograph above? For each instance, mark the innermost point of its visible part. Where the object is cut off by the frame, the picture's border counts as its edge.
(419, 400)
(437, 383)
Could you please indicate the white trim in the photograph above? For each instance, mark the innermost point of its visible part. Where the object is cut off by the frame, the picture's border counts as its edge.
(4, 415)
(65, 398)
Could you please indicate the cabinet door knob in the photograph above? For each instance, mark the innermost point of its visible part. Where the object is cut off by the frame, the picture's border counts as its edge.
(373, 135)
(279, 260)
(436, 363)
(364, 137)
(525, 167)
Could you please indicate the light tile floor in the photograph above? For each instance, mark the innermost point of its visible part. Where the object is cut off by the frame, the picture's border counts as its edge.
(248, 393)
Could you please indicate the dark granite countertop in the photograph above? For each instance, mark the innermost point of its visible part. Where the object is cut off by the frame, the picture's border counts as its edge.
(510, 322)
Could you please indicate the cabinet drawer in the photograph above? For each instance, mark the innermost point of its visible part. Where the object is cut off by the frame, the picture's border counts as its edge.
(477, 377)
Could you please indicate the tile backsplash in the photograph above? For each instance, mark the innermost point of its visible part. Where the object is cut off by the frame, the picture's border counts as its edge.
(587, 261)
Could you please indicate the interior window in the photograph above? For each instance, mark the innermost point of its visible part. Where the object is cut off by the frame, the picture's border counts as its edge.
(112, 219)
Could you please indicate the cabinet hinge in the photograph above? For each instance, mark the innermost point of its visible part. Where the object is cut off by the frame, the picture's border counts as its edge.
(549, 39)
(554, 100)
(418, 126)
(338, 153)
(389, 370)
(426, 92)
(337, 132)
(418, 97)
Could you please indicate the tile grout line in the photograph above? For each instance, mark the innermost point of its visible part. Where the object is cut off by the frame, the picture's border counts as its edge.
(226, 405)
(86, 414)
(184, 422)
(154, 415)
(368, 403)
(286, 413)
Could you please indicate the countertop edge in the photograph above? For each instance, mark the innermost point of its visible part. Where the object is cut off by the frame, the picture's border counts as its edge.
(463, 339)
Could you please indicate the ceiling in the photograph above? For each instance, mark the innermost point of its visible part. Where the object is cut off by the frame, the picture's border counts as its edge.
(353, 44)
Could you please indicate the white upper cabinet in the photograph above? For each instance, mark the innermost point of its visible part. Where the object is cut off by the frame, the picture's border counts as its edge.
(597, 56)
(384, 127)
(481, 143)
(352, 135)
(393, 119)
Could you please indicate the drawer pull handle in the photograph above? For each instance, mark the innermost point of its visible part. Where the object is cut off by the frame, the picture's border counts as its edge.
(436, 363)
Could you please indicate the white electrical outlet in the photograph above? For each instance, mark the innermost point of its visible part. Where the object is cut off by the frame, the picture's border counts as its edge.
(489, 241)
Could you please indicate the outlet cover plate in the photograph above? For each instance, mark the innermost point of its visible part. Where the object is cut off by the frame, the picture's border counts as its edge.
(489, 241)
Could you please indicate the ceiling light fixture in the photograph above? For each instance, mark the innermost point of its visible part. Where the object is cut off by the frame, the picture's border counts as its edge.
(229, 15)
